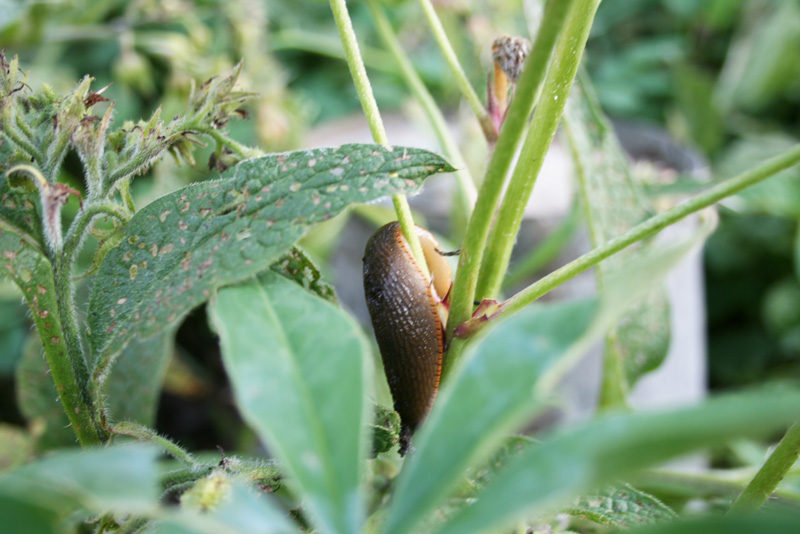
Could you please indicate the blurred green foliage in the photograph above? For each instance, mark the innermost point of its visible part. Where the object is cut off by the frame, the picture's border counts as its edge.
(723, 76)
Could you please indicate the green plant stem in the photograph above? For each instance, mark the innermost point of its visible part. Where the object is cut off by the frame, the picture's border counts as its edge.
(142, 433)
(648, 228)
(530, 82)
(359, 74)
(241, 150)
(560, 78)
(467, 189)
(23, 143)
(771, 473)
(461, 78)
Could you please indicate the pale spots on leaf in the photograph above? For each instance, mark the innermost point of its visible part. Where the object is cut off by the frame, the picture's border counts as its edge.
(337, 171)
(280, 203)
(344, 187)
(316, 199)
(134, 270)
(266, 189)
(41, 289)
(363, 189)
(295, 187)
(259, 198)
(143, 265)
(154, 249)
(55, 340)
(128, 256)
(281, 159)
(312, 162)
(10, 204)
(243, 234)
(205, 212)
(43, 313)
(186, 262)
(166, 249)
(163, 216)
(182, 225)
(345, 160)
(9, 254)
(327, 205)
(123, 300)
(112, 313)
(331, 188)
(132, 240)
(411, 183)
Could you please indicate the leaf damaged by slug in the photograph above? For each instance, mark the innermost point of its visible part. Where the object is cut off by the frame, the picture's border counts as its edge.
(182, 247)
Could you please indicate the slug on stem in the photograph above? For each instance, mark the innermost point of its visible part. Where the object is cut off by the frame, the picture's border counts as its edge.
(409, 315)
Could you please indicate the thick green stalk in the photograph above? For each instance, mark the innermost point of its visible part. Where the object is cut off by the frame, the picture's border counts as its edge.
(530, 82)
(461, 79)
(766, 481)
(569, 51)
(451, 150)
(648, 228)
(359, 74)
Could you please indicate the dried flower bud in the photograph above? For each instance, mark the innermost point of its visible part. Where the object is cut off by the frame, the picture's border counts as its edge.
(509, 54)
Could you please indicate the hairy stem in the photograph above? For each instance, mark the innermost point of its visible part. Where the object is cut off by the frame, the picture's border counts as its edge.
(766, 481)
(649, 228)
(241, 150)
(435, 116)
(142, 433)
(569, 51)
(359, 74)
(461, 79)
(530, 82)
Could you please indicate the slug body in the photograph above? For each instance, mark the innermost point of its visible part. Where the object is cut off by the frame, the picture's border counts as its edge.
(408, 313)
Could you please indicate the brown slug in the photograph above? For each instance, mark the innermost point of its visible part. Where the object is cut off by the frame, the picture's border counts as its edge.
(409, 315)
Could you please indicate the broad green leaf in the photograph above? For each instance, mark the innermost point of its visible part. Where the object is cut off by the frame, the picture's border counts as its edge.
(180, 248)
(761, 524)
(613, 204)
(241, 511)
(490, 395)
(607, 448)
(622, 507)
(134, 383)
(120, 478)
(507, 375)
(297, 366)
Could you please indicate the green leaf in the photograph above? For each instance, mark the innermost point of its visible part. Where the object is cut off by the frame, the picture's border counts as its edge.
(38, 400)
(611, 447)
(134, 382)
(621, 507)
(613, 204)
(507, 375)
(490, 395)
(180, 248)
(297, 364)
(119, 478)
(761, 524)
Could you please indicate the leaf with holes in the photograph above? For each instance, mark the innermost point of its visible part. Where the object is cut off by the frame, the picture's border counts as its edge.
(613, 204)
(180, 248)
